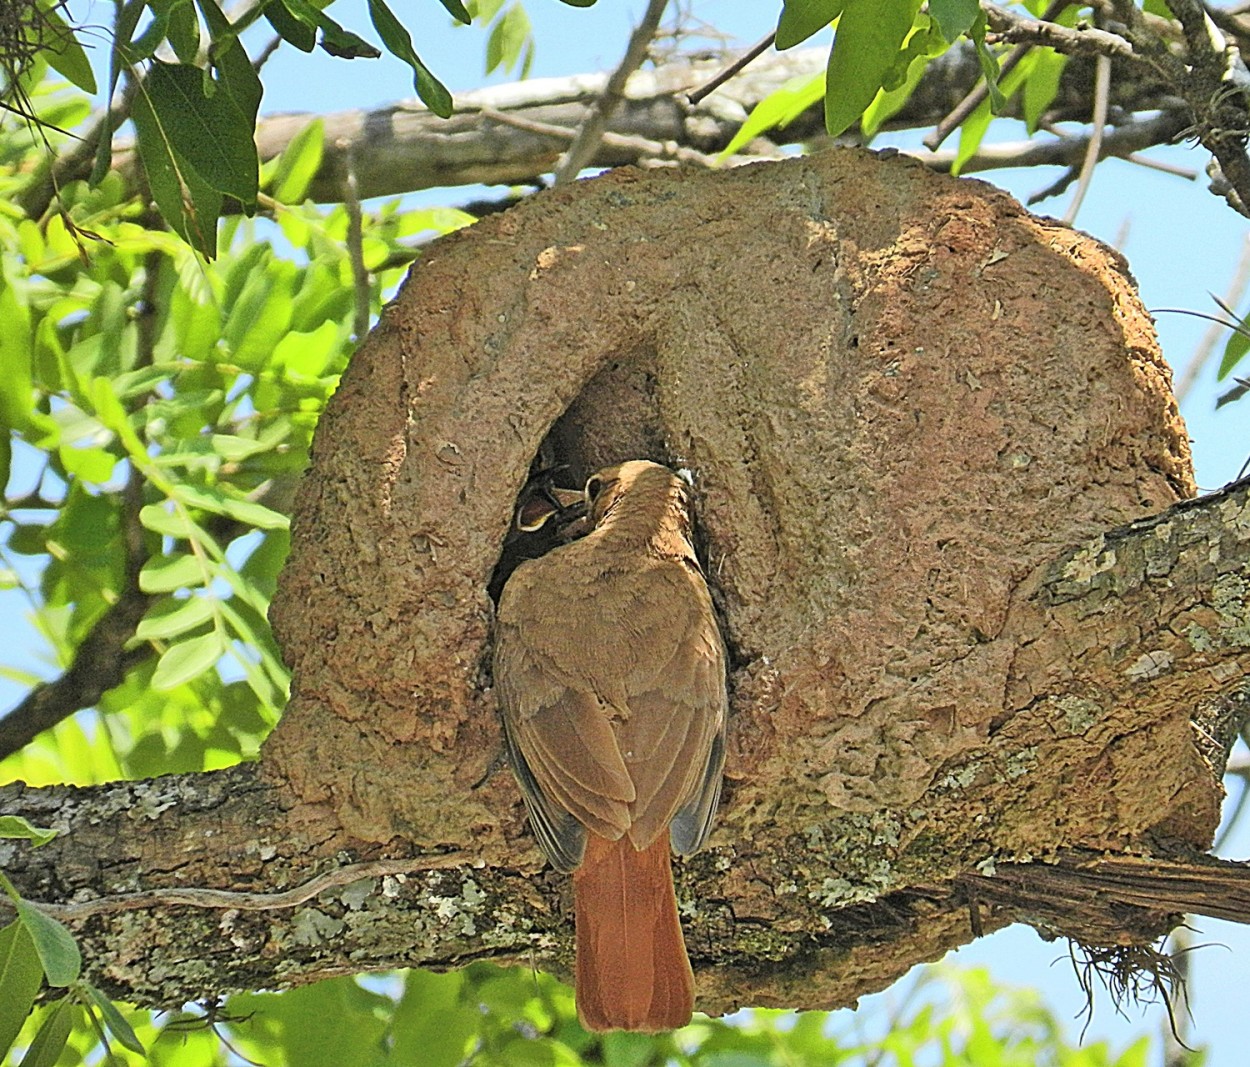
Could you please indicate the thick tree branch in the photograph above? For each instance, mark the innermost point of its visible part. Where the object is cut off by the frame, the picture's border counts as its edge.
(182, 888)
(402, 147)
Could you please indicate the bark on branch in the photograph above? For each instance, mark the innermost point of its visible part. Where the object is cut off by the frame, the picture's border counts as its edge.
(186, 887)
(403, 147)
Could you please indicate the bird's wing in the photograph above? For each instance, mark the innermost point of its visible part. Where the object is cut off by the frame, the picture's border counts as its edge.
(673, 738)
(558, 731)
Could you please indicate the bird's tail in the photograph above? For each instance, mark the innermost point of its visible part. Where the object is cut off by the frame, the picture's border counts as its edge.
(632, 969)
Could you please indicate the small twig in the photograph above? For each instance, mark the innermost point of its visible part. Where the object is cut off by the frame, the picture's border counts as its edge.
(1012, 28)
(1118, 141)
(198, 897)
(980, 91)
(1056, 188)
(582, 150)
(749, 56)
(356, 249)
(642, 146)
(1093, 150)
(1232, 297)
(1163, 166)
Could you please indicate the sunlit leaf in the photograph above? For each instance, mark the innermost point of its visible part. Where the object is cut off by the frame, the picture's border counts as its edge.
(870, 35)
(172, 617)
(802, 18)
(20, 978)
(50, 1040)
(57, 949)
(299, 163)
(222, 503)
(186, 660)
(778, 109)
(14, 826)
(163, 574)
(1042, 84)
(114, 1020)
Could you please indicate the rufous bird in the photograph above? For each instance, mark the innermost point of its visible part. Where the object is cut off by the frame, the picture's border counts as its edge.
(611, 675)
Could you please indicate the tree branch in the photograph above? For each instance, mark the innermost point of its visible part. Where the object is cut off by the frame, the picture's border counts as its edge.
(403, 147)
(582, 150)
(1012, 28)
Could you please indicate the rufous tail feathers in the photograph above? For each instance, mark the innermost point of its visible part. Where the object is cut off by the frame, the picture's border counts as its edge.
(632, 969)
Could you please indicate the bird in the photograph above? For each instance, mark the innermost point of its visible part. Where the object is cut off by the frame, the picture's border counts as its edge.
(546, 515)
(611, 676)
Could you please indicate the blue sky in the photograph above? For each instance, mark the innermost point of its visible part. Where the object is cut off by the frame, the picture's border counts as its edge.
(1181, 242)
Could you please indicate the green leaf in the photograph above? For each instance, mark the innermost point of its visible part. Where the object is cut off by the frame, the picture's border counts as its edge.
(291, 29)
(334, 39)
(971, 133)
(164, 574)
(110, 412)
(924, 44)
(186, 660)
(50, 1041)
(802, 18)
(160, 520)
(16, 351)
(14, 826)
(507, 39)
(870, 35)
(57, 949)
(184, 31)
(457, 11)
(579, 3)
(1234, 351)
(434, 1022)
(778, 109)
(210, 131)
(114, 1020)
(1042, 84)
(989, 64)
(172, 617)
(299, 1016)
(93, 465)
(235, 73)
(431, 91)
(186, 202)
(954, 17)
(299, 163)
(20, 978)
(63, 52)
(221, 503)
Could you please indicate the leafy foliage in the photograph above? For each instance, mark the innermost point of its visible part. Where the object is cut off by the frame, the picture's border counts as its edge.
(162, 408)
(488, 1016)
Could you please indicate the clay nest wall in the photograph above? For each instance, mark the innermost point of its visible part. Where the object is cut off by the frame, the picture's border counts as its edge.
(900, 395)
